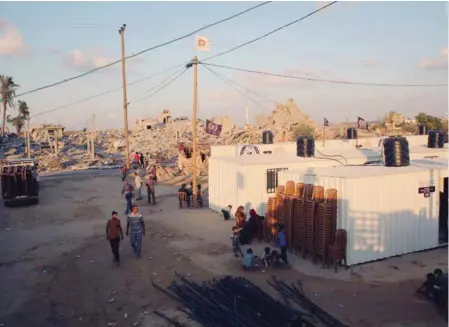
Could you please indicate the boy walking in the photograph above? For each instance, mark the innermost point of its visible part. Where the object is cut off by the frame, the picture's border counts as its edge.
(135, 228)
(282, 242)
(235, 237)
(114, 234)
(128, 191)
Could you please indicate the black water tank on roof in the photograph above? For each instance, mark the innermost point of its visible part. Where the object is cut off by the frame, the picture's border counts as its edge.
(351, 133)
(435, 139)
(422, 130)
(305, 146)
(267, 137)
(396, 152)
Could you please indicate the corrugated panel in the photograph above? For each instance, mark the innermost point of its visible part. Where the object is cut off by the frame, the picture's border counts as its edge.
(223, 184)
(384, 215)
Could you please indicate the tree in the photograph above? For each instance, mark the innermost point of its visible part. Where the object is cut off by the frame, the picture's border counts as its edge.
(23, 115)
(429, 121)
(304, 130)
(7, 92)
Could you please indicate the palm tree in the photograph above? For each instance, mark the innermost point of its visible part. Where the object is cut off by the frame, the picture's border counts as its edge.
(19, 121)
(7, 92)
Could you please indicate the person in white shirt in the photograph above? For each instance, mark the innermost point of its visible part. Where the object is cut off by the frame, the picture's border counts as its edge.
(138, 181)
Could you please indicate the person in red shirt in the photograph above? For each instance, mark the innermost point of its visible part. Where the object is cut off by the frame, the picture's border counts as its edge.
(114, 234)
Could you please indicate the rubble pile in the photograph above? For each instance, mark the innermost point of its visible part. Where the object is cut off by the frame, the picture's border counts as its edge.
(159, 142)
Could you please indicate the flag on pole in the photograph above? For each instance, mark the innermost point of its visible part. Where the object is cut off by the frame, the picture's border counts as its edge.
(326, 122)
(212, 128)
(361, 123)
(202, 43)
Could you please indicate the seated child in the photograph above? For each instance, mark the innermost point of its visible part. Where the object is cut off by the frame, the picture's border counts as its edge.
(236, 247)
(249, 260)
(227, 212)
(269, 257)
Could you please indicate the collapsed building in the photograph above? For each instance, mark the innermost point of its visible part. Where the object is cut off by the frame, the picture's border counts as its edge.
(158, 139)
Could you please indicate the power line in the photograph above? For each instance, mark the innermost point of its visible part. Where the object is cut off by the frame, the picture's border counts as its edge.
(104, 93)
(158, 89)
(146, 50)
(236, 89)
(162, 82)
(272, 32)
(247, 89)
(320, 79)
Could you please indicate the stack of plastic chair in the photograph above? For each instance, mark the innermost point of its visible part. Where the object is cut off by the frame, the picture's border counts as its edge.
(325, 224)
(270, 219)
(310, 208)
(300, 219)
(337, 251)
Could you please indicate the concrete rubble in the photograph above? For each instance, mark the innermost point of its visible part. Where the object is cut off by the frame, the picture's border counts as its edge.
(158, 139)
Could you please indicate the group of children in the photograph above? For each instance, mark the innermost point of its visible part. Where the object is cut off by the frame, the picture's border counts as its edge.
(188, 191)
(269, 257)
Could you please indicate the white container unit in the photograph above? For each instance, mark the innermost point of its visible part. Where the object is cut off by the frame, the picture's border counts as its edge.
(386, 211)
(243, 180)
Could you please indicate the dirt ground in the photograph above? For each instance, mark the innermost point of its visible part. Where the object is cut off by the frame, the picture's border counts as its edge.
(56, 267)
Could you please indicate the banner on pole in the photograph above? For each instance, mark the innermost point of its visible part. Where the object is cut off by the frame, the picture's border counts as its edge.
(362, 123)
(212, 128)
(202, 43)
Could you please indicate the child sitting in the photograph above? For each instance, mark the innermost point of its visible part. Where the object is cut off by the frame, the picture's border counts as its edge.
(269, 257)
(249, 260)
(227, 212)
(236, 247)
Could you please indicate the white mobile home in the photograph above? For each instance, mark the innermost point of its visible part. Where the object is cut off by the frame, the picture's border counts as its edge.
(387, 211)
(251, 177)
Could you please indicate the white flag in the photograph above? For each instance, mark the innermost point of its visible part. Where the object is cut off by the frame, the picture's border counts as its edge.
(202, 43)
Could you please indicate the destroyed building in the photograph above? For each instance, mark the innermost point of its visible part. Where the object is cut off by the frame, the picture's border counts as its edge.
(158, 139)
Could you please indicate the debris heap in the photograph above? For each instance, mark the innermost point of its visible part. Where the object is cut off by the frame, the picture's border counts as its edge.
(158, 139)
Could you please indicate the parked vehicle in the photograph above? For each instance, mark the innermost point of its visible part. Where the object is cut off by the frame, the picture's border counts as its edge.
(20, 181)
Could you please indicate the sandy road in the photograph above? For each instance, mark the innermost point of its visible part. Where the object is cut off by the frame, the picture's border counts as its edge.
(56, 267)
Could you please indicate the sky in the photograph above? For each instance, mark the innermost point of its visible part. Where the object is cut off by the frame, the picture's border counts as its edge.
(370, 42)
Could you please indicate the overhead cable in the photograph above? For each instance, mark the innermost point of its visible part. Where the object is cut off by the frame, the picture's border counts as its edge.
(104, 93)
(145, 50)
(160, 88)
(272, 32)
(235, 88)
(310, 79)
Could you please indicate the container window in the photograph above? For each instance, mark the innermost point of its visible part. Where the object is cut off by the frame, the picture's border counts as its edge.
(272, 179)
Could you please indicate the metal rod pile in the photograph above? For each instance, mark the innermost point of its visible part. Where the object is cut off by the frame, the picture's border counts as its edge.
(296, 294)
(236, 302)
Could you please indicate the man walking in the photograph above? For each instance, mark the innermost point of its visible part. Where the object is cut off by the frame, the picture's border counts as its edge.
(138, 181)
(127, 191)
(114, 235)
(135, 228)
(150, 190)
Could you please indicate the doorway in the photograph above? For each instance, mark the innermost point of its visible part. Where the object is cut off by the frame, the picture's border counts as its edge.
(443, 235)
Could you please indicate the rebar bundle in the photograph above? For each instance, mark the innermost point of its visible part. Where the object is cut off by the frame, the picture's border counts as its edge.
(236, 302)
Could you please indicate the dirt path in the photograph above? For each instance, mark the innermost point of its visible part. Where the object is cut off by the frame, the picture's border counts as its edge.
(59, 269)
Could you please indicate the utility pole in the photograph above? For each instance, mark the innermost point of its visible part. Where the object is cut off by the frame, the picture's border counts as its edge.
(93, 135)
(121, 31)
(28, 138)
(194, 120)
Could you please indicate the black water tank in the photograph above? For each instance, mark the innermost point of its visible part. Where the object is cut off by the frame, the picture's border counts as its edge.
(267, 137)
(422, 130)
(396, 152)
(435, 139)
(351, 133)
(305, 146)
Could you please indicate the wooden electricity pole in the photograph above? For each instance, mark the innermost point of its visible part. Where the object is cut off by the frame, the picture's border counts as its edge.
(121, 31)
(28, 139)
(194, 121)
(93, 135)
